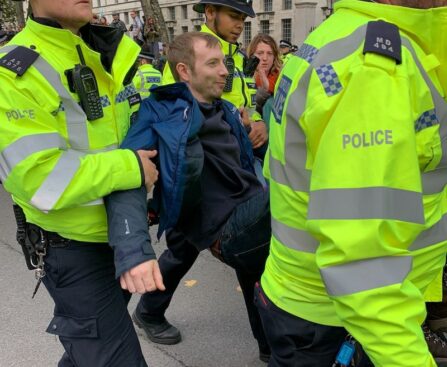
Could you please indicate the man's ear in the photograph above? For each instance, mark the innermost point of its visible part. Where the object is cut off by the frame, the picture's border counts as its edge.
(183, 72)
(210, 12)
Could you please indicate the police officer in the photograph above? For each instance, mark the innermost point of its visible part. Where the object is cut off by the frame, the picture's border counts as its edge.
(285, 48)
(62, 117)
(357, 162)
(146, 75)
(225, 20)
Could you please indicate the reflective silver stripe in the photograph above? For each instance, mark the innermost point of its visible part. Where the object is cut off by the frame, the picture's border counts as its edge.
(294, 173)
(293, 238)
(365, 275)
(57, 181)
(432, 236)
(367, 203)
(433, 182)
(95, 202)
(7, 49)
(22, 148)
(295, 148)
(3, 174)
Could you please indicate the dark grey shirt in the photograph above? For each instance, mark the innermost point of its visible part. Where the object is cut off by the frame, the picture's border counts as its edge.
(224, 182)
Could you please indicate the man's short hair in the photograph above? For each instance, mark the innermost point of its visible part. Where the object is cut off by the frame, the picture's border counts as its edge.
(181, 49)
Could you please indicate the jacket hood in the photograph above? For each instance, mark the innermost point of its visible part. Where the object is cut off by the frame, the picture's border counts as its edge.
(428, 27)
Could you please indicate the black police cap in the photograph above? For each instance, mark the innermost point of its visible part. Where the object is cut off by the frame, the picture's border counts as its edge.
(243, 6)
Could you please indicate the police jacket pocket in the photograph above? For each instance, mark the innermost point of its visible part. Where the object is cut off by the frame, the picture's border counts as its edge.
(72, 327)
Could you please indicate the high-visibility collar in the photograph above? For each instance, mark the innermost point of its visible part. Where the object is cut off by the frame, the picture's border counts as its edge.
(61, 38)
(227, 47)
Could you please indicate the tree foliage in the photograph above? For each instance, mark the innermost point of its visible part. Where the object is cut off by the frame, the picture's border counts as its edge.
(8, 11)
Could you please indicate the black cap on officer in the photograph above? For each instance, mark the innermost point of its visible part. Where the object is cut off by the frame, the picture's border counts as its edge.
(284, 43)
(242, 6)
(146, 55)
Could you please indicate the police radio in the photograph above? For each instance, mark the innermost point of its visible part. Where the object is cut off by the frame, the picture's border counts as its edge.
(85, 86)
(229, 64)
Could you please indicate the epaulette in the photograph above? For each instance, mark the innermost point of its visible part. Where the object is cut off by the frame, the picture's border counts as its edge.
(19, 59)
(383, 38)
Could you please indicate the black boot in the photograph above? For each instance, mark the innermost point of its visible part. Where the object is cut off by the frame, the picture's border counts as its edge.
(158, 331)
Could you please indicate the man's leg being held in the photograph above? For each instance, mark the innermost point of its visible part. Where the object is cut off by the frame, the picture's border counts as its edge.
(174, 264)
(245, 246)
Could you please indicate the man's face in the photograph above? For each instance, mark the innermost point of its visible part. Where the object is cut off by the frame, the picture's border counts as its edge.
(207, 80)
(133, 14)
(70, 14)
(116, 17)
(226, 22)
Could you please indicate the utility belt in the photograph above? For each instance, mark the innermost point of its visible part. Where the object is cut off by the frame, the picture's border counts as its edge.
(35, 240)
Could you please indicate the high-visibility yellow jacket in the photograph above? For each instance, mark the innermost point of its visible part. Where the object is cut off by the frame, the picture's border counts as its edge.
(357, 164)
(145, 78)
(244, 88)
(55, 163)
(285, 58)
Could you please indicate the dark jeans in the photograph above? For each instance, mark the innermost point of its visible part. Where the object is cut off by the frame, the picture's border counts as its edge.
(90, 314)
(247, 228)
(296, 342)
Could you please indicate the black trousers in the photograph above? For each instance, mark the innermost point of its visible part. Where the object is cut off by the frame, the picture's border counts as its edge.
(296, 342)
(90, 313)
(250, 221)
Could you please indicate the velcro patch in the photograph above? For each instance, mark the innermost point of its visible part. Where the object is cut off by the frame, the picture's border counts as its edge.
(19, 60)
(153, 79)
(383, 38)
(134, 99)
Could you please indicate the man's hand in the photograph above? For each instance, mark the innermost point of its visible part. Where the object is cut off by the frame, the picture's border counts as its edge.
(258, 134)
(143, 278)
(150, 171)
(244, 116)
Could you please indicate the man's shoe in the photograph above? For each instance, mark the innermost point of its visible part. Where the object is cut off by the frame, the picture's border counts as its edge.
(436, 345)
(160, 332)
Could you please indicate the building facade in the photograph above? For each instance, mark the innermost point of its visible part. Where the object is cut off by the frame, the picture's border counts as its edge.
(292, 20)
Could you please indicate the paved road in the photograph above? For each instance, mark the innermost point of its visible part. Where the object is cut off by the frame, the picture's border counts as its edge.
(208, 308)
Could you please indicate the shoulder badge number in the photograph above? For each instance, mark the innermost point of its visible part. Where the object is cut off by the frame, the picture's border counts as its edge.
(383, 38)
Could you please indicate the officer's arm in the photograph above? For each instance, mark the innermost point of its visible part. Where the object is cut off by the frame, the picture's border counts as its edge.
(39, 166)
(366, 209)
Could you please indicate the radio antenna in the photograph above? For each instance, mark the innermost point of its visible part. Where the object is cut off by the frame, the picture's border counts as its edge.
(81, 56)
